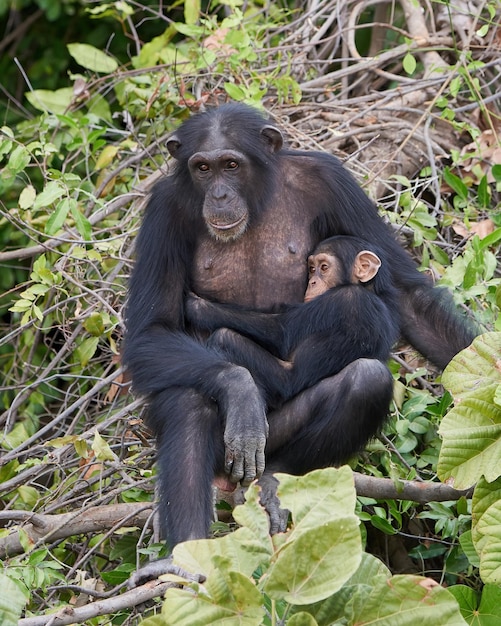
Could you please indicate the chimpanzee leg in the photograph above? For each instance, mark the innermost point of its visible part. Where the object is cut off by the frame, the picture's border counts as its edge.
(190, 452)
(324, 426)
(270, 373)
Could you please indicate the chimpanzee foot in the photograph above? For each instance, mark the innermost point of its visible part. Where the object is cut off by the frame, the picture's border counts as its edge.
(154, 569)
(268, 498)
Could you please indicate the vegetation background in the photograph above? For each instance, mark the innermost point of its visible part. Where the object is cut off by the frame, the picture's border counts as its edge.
(408, 95)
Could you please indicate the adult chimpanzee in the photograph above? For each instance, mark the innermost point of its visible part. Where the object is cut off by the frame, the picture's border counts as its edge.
(234, 223)
(350, 312)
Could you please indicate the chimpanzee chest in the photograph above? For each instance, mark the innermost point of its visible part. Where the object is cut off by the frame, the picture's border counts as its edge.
(265, 267)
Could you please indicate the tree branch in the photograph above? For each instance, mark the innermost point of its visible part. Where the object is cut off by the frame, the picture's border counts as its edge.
(417, 491)
(52, 527)
(97, 519)
(78, 615)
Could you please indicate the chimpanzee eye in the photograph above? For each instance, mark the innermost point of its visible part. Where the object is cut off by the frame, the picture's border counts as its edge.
(203, 167)
(232, 165)
(324, 267)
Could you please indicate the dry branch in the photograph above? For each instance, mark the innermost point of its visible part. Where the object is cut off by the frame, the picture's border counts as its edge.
(78, 615)
(45, 528)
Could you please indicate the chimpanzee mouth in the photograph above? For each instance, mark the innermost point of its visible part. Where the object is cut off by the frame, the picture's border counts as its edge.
(218, 226)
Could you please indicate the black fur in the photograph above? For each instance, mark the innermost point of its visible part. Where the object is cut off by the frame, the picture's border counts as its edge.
(208, 414)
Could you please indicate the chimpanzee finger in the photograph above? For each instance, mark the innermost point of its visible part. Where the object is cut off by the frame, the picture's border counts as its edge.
(260, 462)
(234, 466)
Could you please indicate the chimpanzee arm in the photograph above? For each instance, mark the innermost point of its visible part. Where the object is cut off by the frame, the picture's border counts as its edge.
(271, 374)
(430, 319)
(265, 328)
(432, 324)
(158, 352)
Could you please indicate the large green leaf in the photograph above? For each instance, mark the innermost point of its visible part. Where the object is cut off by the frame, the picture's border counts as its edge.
(12, 601)
(372, 596)
(471, 431)
(487, 612)
(302, 619)
(317, 497)
(243, 551)
(486, 528)
(307, 569)
(326, 532)
(227, 598)
(404, 601)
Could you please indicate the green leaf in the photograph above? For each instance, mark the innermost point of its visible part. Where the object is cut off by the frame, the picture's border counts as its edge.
(307, 568)
(94, 324)
(81, 222)
(491, 239)
(86, 350)
(254, 518)
(192, 10)
(228, 598)
(20, 306)
(404, 601)
(57, 219)
(371, 572)
(382, 524)
(302, 619)
(456, 184)
(92, 58)
(466, 542)
(102, 449)
(27, 197)
(487, 612)
(52, 191)
(486, 533)
(471, 431)
(372, 596)
(489, 528)
(234, 91)
(244, 550)
(482, 32)
(455, 86)
(53, 101)
(317, 497)
(29, 495)
(156, 620)
(18, 160)
(106, 157)
(484, 193)
(12, 600)
(409, 63)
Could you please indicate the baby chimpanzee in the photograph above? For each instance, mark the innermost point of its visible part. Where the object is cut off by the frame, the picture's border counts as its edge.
(350, 311)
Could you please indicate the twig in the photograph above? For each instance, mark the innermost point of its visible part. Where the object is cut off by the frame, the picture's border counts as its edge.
(79, 615)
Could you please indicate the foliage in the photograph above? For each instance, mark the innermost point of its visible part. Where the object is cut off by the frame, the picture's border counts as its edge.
(298, 572)
(409, 100)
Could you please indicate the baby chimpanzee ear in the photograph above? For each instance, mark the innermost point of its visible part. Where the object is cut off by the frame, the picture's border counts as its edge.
(366, 266)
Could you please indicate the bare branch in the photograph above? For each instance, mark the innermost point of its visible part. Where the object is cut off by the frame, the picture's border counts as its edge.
(78, 615)
(45, 528)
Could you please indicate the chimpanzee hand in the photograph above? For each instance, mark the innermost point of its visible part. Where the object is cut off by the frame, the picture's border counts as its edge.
(246, 428)
(195, 309)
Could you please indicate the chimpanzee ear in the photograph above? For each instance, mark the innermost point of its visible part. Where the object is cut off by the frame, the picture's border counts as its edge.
(273, 138)
(173, 145)
(366, 266)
